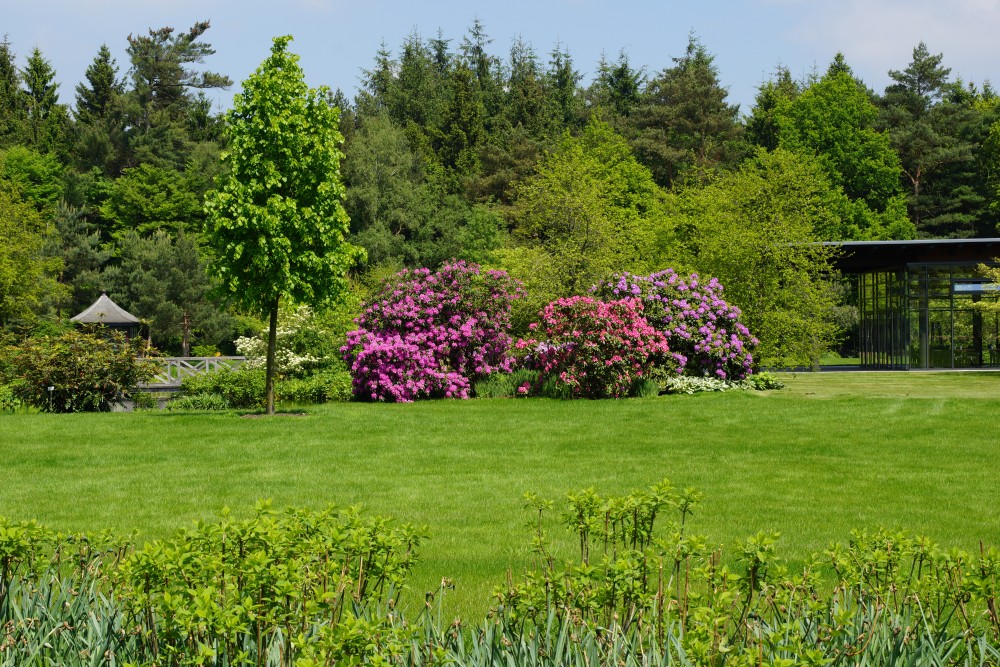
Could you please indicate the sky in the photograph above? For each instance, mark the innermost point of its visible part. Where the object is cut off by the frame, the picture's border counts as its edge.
(338, 39)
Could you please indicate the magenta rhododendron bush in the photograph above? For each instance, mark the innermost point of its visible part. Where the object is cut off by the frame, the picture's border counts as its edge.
(594, 349)
(704, 332)
(432, 334)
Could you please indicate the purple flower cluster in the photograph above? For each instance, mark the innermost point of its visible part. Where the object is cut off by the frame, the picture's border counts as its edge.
(432, 334)
(704, 332)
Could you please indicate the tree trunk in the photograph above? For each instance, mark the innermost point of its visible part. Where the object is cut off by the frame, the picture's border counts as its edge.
(186, 336)
(272, 344)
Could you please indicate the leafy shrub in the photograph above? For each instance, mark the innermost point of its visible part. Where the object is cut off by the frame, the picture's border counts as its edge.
(703, 331)
(432, 334)
(214, 585)
(650, 584)
(9, 400)
(242, 389)
(307, 342)
(80, 371)
(198, 402)
(323, 387)
(143, 400)
(507, 385)
(762, 381)
(593, 349)
(204, 350)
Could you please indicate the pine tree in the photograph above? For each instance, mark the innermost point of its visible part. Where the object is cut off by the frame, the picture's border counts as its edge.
(683, 120)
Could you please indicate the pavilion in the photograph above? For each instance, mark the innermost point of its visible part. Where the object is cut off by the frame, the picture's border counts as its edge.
(916, 302)
(106, 312)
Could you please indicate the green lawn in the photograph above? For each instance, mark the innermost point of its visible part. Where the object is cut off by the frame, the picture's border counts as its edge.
(832, 452)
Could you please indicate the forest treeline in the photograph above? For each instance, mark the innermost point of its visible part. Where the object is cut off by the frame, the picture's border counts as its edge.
(456, 148)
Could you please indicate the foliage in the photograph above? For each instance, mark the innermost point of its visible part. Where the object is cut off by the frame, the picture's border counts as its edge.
(690, 384)
(762, 381)
(682, 121)
(277, 225)
(9, 400)
(756, 231)
(703, 331)
(668, 594)
(162, 279)
(80, 371)
(834, 120)
(25, 272)
(198, 402)
(593, 349)
(312, 588)
(432, 334)
(218, 586)
(507, 385)
(306, 341)
(242, 389)
(590, 209)
(322, 387)
(934, 134)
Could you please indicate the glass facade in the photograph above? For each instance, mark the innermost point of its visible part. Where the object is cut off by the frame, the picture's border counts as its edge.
(926, 317)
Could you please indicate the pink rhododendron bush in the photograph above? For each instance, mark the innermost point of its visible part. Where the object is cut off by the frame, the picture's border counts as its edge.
(587, 348)
(704, 332)
(432, 334)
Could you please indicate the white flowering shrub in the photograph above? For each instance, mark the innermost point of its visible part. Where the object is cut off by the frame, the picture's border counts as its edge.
(303, 345)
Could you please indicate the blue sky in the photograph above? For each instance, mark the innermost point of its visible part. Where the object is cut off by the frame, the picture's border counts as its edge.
(337, 39)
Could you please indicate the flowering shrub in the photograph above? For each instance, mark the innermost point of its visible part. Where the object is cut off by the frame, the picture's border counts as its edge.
(704, 332)
(592, 348)
(431, 334)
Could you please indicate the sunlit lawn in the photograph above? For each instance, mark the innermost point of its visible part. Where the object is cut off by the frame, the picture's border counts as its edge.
(832, 452)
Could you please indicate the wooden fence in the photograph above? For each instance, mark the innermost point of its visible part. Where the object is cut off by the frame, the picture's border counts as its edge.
(173, 370)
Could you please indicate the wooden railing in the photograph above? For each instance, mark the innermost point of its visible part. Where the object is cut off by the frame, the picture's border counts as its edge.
(173, 370)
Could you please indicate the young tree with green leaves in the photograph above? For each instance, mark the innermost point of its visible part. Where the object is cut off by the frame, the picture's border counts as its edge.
(276, 225)
(26, 273)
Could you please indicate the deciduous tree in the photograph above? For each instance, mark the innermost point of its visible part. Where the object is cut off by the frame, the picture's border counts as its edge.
(277, 225)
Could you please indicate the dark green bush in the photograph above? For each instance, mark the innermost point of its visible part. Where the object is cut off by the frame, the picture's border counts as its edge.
(323, 387)
(79, 371)
(242, 389)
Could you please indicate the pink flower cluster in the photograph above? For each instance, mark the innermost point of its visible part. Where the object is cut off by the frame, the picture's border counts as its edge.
(705, 335)
(432, 334)
(592, 348)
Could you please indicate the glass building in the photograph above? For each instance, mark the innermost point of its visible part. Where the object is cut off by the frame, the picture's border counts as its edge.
(917, 303)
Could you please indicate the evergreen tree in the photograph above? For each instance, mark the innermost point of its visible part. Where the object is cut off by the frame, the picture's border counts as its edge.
(931, 133)
(683, 120)
(100, 117)
(617, 86)
(161, 100)
(13, 110)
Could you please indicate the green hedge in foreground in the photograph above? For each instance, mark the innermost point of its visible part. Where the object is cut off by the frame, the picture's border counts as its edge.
(303, 587)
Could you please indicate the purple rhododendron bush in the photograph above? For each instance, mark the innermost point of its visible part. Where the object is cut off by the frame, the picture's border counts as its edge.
(432, 334)
(704, 332)
(590, 348)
